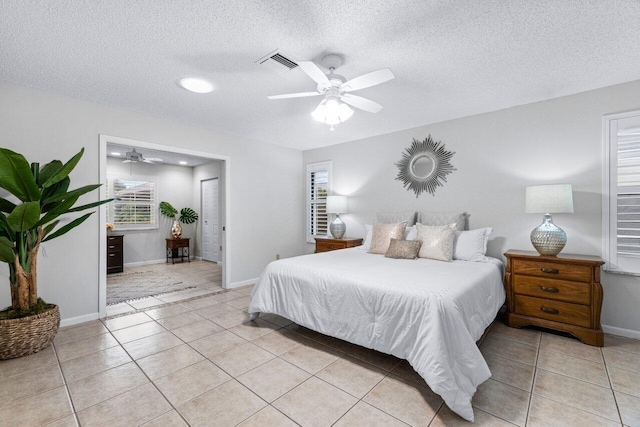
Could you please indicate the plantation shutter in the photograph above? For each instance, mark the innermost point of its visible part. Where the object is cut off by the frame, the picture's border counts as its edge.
(628, 193)
(135, 205)
(318, 182)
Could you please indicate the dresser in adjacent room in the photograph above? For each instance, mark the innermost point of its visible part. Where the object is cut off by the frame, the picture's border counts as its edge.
(326, 244)
(115, 254)
(562, 293)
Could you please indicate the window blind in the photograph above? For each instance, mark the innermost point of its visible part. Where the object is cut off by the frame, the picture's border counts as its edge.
(135, 205)
(319, 189)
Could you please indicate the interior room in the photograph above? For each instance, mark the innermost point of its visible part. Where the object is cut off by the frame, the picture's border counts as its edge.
(375, 213)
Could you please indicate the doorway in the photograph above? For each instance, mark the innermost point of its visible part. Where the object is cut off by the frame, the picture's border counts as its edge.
(209, 192)
(223, 207)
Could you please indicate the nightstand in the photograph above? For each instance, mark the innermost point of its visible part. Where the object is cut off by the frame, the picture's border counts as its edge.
(325, 244)
(562, 293)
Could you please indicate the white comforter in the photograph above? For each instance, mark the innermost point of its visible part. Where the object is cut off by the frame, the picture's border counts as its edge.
(430, 313)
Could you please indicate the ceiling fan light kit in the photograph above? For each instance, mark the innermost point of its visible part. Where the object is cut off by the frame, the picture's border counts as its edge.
(333, 109)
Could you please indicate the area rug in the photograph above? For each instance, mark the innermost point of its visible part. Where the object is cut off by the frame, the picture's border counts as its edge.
(130, 286)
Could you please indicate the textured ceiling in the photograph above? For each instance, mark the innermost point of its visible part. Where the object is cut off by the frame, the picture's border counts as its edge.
(451, 58)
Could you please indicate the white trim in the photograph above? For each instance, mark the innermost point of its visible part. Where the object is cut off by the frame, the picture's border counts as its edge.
(153, 261)
(79, 319)
(315, 167)
(629, 333)
(227, 224)
(244, 283)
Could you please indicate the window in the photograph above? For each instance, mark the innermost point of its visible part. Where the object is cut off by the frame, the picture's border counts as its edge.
(135, 206)
(621, 193)
(318, 184)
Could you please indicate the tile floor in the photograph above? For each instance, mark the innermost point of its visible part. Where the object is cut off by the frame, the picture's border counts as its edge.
(200, 362)
(203, 277)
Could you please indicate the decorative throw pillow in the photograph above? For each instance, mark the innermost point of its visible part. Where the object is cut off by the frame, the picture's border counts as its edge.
(437, 241)
(410, 233)
(389, 218)
(403, 249)
(471, 245)
(431, 218)
(383, 233)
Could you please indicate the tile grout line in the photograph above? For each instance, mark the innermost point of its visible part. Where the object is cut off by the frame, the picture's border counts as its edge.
(533, 382)
(615, 398)
(66, 386)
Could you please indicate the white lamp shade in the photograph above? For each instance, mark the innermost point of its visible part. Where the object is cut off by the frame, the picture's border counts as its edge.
(557, 198)
(337, 204)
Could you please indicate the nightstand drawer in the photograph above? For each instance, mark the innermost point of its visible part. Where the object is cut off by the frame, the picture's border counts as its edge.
(574, 314)
(561, 290)
(329, 246)
(552, 270)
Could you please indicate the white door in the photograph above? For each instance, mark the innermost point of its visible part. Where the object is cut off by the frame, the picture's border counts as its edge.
(210, 227)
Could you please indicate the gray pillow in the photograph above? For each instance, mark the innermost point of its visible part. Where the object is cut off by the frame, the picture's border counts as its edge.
(447, 218)
(403, 249)
(389, 218)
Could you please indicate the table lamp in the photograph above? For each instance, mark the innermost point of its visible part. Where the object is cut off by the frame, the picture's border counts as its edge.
(337, 205)
(547, 238)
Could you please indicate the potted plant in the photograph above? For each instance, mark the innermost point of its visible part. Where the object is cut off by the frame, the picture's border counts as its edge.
(42, 196)
(187, 216)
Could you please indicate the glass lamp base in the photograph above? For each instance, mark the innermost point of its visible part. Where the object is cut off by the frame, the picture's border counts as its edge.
(547, 238)
(337, 228)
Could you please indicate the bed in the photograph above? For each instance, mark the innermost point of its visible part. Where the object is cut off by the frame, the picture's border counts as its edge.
(430, 313)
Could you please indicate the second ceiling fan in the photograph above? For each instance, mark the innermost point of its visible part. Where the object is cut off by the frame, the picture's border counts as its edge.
(336, 90)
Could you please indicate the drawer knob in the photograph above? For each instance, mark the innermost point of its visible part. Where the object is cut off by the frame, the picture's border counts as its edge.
(550, 270)
(549, 310)
(330, 246)
(111, 247)
(549, 289)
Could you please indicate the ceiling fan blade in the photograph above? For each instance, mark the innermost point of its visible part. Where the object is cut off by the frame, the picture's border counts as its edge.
(154, 159)
(126, 161)
(367, 80)
(294, 95)
(314, 72)
(148, 161)
(361, 103)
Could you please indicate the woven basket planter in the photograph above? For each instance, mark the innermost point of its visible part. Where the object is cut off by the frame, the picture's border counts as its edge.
(28, 335)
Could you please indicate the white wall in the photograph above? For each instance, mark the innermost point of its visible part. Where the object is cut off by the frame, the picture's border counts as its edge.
(44, 126)
(497, 155)
(201, 173)
(174, 184)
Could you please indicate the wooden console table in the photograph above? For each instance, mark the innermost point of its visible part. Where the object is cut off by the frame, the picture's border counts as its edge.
(177, 248)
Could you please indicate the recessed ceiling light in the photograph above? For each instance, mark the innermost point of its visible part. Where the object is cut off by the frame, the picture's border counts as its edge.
(182, 162)
(196, 85)
(115, 154)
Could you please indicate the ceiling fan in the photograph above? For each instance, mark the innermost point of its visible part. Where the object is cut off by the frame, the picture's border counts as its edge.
(336, 90)
(134, 157)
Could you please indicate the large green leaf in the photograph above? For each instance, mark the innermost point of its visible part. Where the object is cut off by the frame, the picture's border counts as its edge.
(4, 227)
(6, 206)
(64, 171)
(73, 224)
(16, 176)
(7, 253)
(48, 170)
(167, 209)
(56, 189)
(188, 216)
(49, 227)
(24, 216)
(77, 192)
(59, 208)
(90, 205)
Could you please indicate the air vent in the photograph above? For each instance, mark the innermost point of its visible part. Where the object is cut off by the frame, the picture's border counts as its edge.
(276, 62)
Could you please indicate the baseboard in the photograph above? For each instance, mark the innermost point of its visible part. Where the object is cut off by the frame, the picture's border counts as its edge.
(243, 283)
(629, 333)
(153, 261)
(79, 319)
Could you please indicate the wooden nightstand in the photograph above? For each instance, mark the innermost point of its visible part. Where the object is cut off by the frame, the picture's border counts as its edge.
(562, 293)
(325, 244)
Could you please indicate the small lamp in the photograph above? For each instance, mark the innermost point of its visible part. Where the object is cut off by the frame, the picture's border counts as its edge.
(547, 238)
(337, 205)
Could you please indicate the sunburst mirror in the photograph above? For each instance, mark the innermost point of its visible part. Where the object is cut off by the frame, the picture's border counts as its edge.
(425, 166)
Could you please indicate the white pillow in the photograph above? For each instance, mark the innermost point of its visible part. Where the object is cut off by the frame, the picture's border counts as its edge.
(366, 245)
(471, 245)
(411, 233)
(437, 241)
